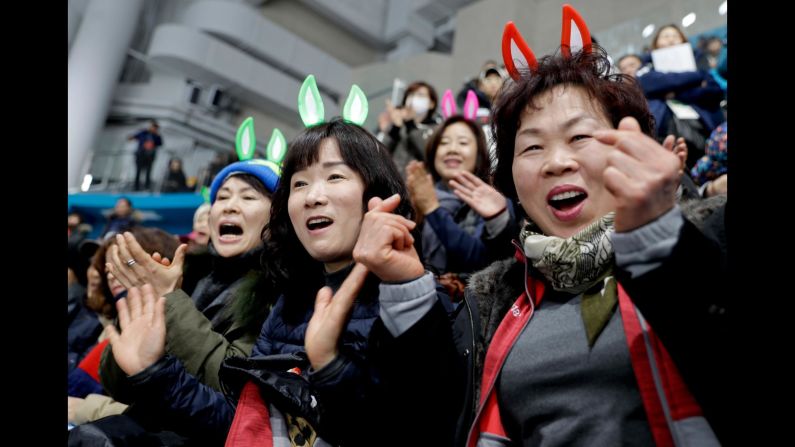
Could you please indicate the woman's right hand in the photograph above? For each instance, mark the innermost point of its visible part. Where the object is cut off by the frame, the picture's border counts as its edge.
(145, 269)
(395, 114)
(420, 186)
(142, 316)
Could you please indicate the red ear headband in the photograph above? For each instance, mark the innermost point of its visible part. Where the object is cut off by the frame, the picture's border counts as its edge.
(517, 55)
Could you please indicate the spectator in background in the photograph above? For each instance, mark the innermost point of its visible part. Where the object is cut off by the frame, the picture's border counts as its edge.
(405, 129)
(485, 86)
(121, 219)
(175, 177)
(692, 91)
(629, 64)
(148, 141)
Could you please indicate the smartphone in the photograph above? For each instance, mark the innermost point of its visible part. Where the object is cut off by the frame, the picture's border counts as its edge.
(398, 90)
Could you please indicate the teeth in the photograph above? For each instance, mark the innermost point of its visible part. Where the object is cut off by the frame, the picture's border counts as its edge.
(566, 195)
(318, 220)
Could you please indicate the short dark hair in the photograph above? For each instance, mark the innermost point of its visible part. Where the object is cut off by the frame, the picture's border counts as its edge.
(154, 124)
(413, 87)
(482, 163)
(618, 95)
(293, 269)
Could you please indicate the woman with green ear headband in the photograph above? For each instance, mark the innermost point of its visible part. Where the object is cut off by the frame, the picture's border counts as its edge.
(353, 369)
(226, 308)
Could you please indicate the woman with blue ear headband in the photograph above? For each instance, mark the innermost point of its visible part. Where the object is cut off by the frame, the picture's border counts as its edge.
(404, 129)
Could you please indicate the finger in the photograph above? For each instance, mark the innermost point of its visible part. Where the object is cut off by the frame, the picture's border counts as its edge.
(668, 143)
(165, 262)
(157, 257)
(395, 219)
(322, 300)
(179, 256)
(113, 335)
(469, 180)
(135, 272)
(134, 303)
(160, 312)
(118, 268)
(136, 251)
(373, 203)
(348, 291)
(388, 205)
(629, 123)
(629, 166)
(123, 312)
(148, 300)
(634, 144)
(459, 188)
(617, 183)
(399, 237)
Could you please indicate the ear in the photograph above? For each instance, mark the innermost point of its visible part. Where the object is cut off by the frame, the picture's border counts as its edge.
(310, 104)
(516, 55)
(246, 141)
(277, 147)
(575, 34)
(448, 104)
(356, 107)
(471, 106)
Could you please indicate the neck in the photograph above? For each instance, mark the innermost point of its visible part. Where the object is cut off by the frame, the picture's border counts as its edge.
(336, 266)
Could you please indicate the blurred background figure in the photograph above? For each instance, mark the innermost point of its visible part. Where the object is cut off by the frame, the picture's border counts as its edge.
(175, 177)
(149, 140)
(405, 129)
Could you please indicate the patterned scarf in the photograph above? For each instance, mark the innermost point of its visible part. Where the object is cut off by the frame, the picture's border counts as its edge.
(583, 263)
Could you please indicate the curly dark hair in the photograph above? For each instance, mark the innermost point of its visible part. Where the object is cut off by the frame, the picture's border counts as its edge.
(618, 95)
(290, 266)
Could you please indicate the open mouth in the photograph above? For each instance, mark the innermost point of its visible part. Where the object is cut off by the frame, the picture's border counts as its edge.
(318, 223)
(452, 162)
(566, 201)
(230, 231)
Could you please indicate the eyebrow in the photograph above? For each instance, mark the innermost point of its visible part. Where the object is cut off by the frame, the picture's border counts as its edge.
(565, 125)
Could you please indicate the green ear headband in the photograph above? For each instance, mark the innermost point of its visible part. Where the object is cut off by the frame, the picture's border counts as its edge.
(310, 104)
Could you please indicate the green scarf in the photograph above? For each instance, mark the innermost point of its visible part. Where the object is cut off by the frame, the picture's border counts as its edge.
(583, 263)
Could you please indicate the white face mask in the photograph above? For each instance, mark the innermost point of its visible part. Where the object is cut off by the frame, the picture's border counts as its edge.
(421, 105)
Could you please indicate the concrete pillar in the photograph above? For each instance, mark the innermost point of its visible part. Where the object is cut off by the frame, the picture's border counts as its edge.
(96, 58)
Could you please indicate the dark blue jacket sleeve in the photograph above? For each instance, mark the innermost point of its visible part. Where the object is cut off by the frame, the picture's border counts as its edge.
(465, 253)
(657, 85)
(191, 407)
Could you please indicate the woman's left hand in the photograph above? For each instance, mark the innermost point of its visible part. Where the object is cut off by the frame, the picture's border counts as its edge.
(330, 317)
(479, 195)
(641, 174)
(385, 245)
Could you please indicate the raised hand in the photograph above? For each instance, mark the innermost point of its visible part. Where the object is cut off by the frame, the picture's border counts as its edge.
(133, 266)
(479, 195)
(420, 186)
(330, 317)
(385, 245)
(641, 174)
(142, 316)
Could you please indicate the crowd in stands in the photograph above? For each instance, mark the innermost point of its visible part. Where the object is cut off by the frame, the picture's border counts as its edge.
(499, 265)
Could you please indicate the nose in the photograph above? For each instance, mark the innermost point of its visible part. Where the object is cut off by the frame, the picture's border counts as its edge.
(315, 195)
(559, 161)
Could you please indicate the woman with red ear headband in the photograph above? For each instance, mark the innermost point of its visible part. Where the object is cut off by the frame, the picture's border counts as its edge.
(566, 345)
